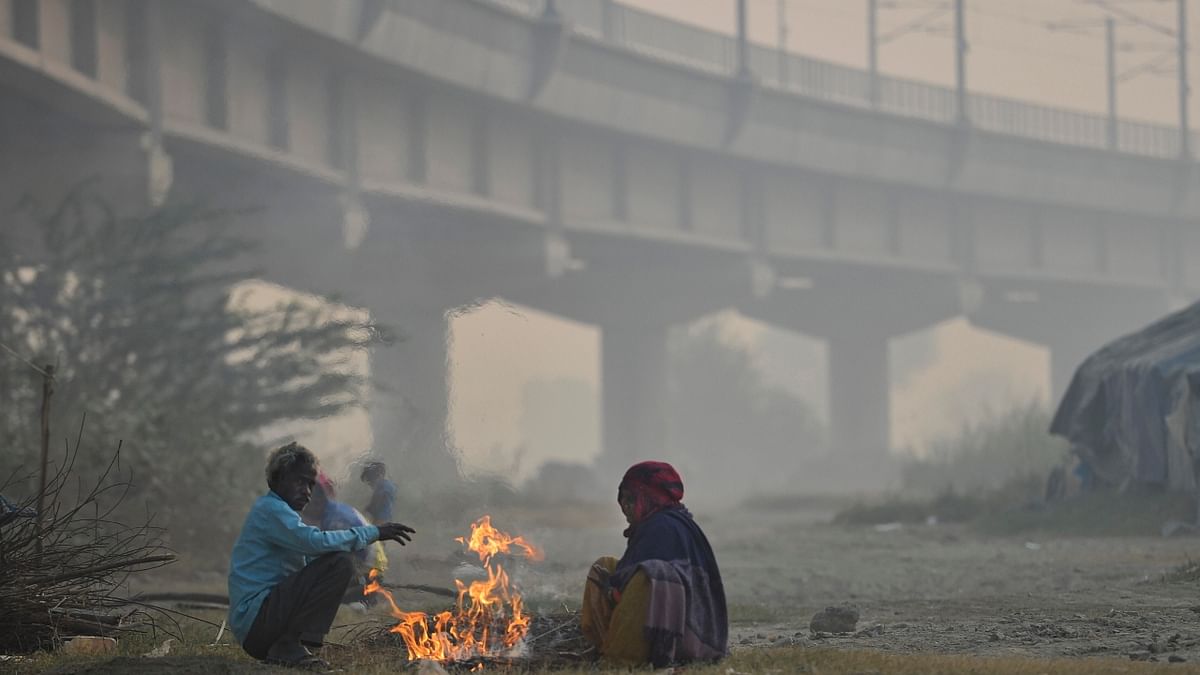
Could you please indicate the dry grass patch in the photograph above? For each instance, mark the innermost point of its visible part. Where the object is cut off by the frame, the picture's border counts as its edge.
(777, 661)
(194, 652)
(787, 660)
(796, 660)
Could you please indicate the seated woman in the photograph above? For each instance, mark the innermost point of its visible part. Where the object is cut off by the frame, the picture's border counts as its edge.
(663, 602)
(326, 513)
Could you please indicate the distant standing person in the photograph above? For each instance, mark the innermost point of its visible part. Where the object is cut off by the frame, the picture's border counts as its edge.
(383, 492)
(287, 578)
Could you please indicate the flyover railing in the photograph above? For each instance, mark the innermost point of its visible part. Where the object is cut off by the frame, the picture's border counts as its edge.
(666, 38)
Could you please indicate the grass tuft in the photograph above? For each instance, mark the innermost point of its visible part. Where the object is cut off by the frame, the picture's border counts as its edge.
(1188, 571)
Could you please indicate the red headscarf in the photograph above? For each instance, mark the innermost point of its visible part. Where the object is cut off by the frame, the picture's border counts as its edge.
(653, 486)
(326, 484)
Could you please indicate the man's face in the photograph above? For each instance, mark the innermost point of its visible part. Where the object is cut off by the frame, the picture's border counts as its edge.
(296, 486)
(317, 502)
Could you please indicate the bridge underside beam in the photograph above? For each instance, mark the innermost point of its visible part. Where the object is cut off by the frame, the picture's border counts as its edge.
(1071, 320)
(45, 154)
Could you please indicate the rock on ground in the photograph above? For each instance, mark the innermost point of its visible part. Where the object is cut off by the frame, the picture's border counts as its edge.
(834, 620)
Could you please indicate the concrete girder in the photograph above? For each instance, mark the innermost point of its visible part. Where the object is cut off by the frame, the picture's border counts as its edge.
(834, 298)
(618, 278)
(45, 154)
(295, 221)
(418, 245)
(448, 257)
(1071, 319)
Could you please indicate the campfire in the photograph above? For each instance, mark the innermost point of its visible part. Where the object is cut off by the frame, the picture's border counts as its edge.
(489, 618)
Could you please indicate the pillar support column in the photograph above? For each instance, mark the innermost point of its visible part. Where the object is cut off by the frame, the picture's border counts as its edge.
(856, 314)
(859, 396)
(410, 403)
(634, 384)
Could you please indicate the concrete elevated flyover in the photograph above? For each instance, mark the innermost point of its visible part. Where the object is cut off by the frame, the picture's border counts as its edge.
(606, 165)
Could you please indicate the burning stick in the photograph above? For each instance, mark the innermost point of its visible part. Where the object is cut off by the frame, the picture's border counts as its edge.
(488, 619)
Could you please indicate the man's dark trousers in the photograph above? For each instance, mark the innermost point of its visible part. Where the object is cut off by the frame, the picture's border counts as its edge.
(302, 605)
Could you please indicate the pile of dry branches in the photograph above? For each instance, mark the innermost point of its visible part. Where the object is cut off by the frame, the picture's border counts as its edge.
(59, 572)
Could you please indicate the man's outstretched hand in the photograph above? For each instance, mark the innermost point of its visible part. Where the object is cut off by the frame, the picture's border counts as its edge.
(401, 534)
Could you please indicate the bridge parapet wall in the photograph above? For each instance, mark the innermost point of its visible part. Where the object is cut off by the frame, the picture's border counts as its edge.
(435, 101)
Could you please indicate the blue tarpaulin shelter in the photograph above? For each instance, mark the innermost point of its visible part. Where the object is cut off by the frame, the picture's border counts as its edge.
(1132, 410)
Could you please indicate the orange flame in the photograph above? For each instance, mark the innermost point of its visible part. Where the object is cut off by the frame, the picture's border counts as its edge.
(489, 617)
(487, 541)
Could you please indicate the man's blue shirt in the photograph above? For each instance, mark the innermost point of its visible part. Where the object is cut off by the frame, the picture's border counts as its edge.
(273, 545)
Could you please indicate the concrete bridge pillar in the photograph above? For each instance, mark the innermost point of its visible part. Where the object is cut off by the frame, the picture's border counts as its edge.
(859, 396)
(857, 315)
(409, 402)
(412, 270)
(634, 372)
(634, 292)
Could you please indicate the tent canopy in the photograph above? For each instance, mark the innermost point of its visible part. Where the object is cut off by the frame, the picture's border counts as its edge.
(1133, 408)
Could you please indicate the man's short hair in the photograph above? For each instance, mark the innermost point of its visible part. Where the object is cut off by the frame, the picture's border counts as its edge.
(286, 459)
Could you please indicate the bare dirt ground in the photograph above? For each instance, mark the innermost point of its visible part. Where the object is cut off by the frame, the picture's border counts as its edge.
(919, 589)
(934, 588)
(946, 589)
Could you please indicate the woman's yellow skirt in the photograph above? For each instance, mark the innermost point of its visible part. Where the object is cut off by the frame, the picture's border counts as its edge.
(616, 628)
